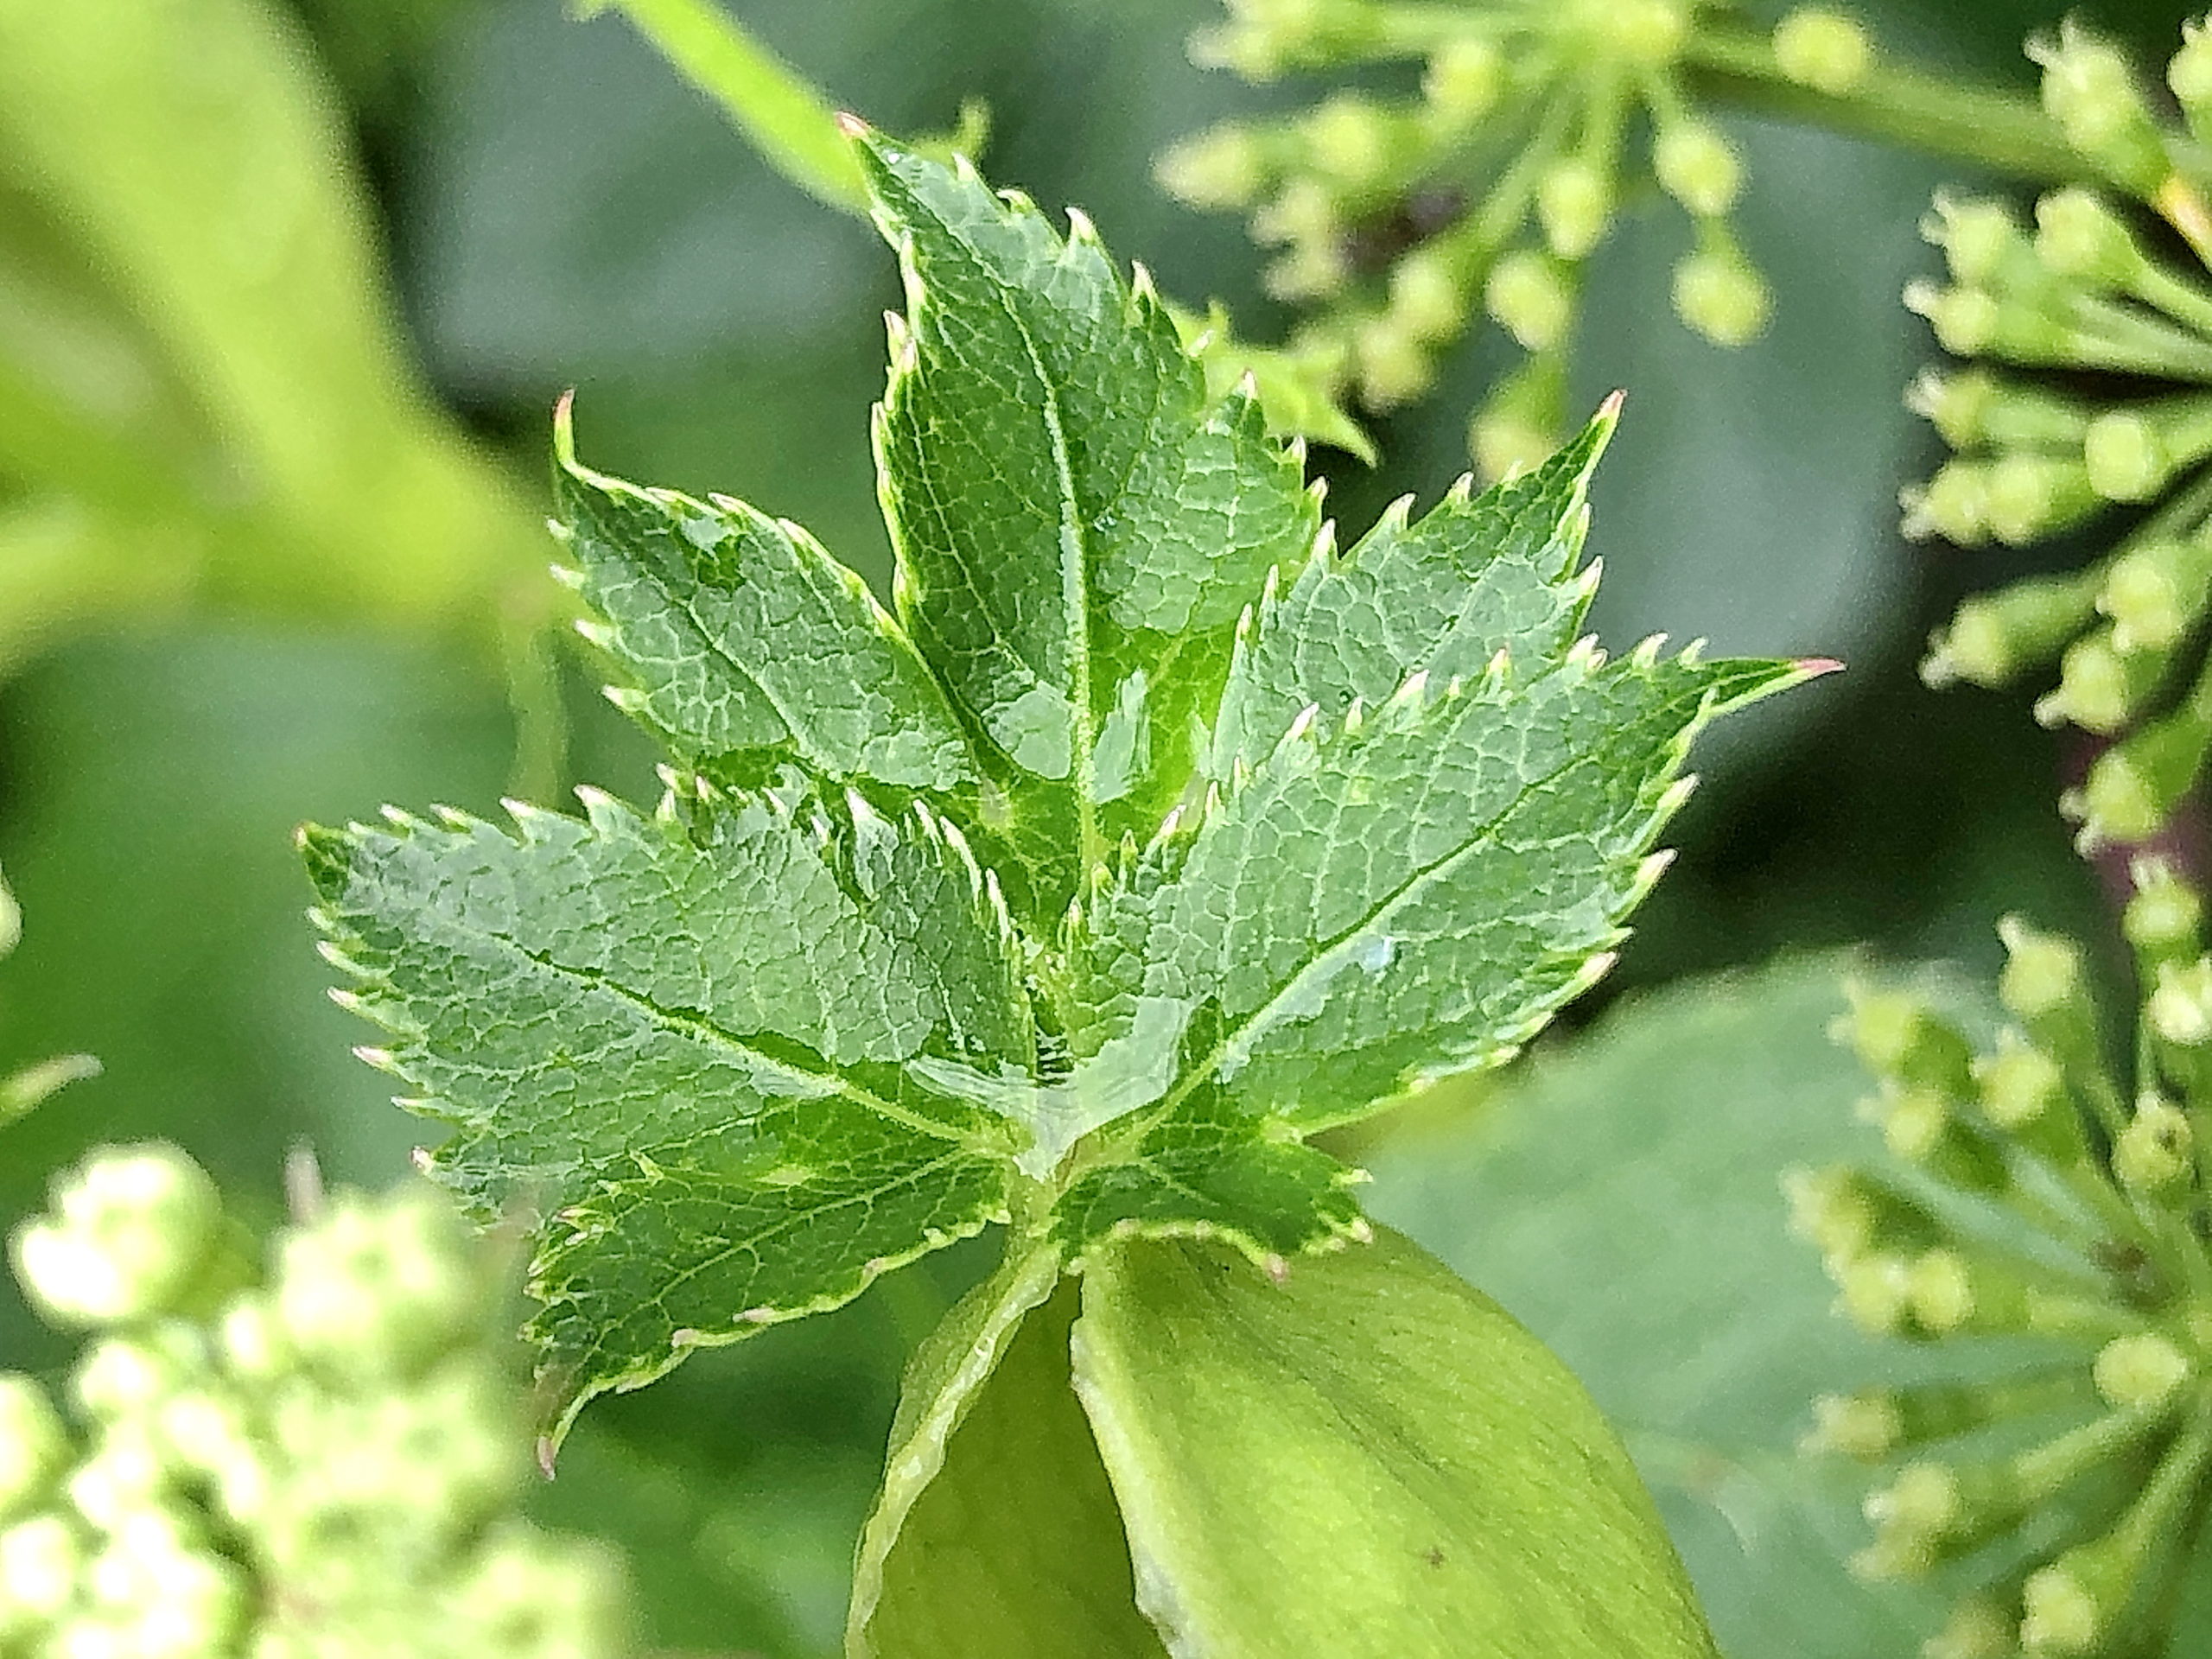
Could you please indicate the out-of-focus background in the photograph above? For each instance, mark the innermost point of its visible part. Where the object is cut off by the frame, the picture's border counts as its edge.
(287, 291)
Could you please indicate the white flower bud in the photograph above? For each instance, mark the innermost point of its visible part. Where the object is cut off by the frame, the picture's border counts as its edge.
(41, 1560)
(1531, 294)
(373, 1288)
(34, 1444)
(131, 1229)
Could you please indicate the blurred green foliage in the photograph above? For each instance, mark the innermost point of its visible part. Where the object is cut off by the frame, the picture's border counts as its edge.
(285, 295)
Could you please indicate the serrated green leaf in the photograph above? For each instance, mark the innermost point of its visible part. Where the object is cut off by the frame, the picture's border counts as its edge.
(1151, 837)
(1069, 511)
(1368, 1459)
(1479, 574)
(692, 1046)
(746, 642)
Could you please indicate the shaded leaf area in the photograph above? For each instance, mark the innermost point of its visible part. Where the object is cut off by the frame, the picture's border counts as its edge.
(1014, 1549)
(1624, 1197)
(1368, 1459)
(940, 918)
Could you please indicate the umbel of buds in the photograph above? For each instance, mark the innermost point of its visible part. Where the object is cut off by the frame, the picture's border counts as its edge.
(318, 1458)
(1398, 217)
(2094, 284)
(2033, 1199)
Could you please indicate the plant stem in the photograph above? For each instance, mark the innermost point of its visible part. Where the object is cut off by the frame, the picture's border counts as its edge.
(2005, 132)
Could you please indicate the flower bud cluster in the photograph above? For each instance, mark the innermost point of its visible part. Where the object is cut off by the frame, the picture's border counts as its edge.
(2031, 1193)
(1398, 216)
(318, 1461)
(2091, 285)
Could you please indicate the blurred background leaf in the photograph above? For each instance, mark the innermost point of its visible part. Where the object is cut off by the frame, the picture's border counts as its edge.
(286, 293)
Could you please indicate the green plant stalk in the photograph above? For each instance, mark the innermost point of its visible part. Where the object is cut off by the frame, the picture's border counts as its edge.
(786, 118)
(2003, 132)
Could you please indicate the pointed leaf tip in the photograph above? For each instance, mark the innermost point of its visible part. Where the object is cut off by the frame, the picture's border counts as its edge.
(1611, 409)
(851, 125)
(1814, 667)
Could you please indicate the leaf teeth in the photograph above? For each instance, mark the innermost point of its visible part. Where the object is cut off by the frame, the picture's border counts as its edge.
(1411, 695)
(1646, 654)
(349, 1000)
(398, 818)
(1302, 726)
(382, 1058)
(627, 698)
(1462, 491)
(1591, 972)
(1355, 717)
(1081, 231)
(1671, 798)
(329, 951)
(1586, 581)
(596, 634)
(1165, 832)
(1211, 806)
(1693, 653)
(566, 574)
(604, 814)
(1648, 872)
(1394, 517)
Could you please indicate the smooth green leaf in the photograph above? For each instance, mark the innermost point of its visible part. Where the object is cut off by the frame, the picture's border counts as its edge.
(1622, 1196)
(1368, 1459)
(943, 920)
(997, 1537)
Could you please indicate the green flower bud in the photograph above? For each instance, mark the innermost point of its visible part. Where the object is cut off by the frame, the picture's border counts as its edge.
(2180, 1005)
(2161, 921)
(2155, 591)
(1519, 427)
(2127, 456)
(40, 1562)
(1867, 1426)
(1973, 407)
(2019, 1084)
(1900, 1037)
(2062, 1616)
(1697, 167)
(1972, 322)
(1351, 140)
(34, 1446)
(2028, 496)
(2043, 975)
(1464, 79)
(1848, 1215)
(1267, 37)
(1574, 205)
(2090, 89)
(2156, 1151)
(2141, 1372)
(2134, 786)
(1533, 296)
(1875, 1293)
(1994, 638)
(1823, 49)
(1982, 242)
(1395, 367)
(1919, 1127)
(1978, 1292)
(129, 1233)
(1954, 504)
(1977, 1629)
(1716, 294)
(1223, 166)
(2190, 74)
(2079, 236)
(1428, 298)
(2099, 688)
(1916, 1509)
